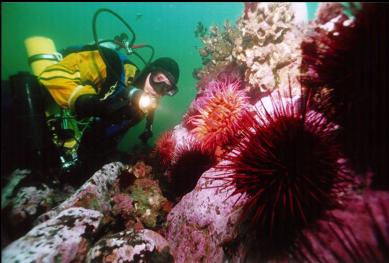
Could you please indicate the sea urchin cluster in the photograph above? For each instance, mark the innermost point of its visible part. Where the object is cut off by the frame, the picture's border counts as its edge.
(288, 165)
(347, 62)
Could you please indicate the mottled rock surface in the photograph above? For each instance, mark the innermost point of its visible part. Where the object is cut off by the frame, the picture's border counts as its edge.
(131, 246)
(28, 202)
(13, 181)
(95, 193)
(64, 238)
(201, 226)
(21, 204)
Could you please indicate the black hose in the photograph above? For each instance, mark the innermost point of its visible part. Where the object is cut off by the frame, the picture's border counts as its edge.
(130, 45)
(151, 56)
(97, 42)
(117, 16)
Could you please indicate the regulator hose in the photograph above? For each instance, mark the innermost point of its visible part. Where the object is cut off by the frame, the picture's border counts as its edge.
(130, 46)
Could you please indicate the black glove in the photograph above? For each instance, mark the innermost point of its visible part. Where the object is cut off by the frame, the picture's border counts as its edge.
(145, 136)
(115, 110)
(88, 105)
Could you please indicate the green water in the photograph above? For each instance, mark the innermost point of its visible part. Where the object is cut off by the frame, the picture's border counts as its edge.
(168, 27)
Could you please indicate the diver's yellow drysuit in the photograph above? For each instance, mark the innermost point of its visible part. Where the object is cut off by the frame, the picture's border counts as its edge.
(84, 72)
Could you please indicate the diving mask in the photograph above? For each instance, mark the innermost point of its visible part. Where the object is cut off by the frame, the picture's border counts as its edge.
(163, 83)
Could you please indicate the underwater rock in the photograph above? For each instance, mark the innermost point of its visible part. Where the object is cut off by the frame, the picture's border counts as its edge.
(64, 238)
(22, 205)
(200, 228)
(141, 204)
(117, 193)
(22, 209)
(203, 225)
(27, 205)
(131, 246)
(148, 201)
(14, 179)
(95, 193)
(28, 202)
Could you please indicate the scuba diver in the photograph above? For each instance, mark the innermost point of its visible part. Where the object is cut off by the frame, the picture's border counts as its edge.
(79, 103)
(116, 95)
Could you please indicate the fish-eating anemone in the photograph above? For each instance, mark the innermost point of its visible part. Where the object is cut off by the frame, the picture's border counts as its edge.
(216, 114)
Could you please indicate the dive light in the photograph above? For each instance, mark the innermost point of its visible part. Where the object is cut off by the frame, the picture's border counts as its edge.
(144, 101)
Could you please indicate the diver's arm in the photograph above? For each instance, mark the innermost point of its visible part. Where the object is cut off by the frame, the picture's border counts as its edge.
(150, 120)
(77, 74)
(88, 105)
(148, 133)
(63, 85)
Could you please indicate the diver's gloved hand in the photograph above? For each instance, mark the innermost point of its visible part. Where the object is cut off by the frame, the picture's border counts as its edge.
(145, 136)
(115, 109)
(88, 105)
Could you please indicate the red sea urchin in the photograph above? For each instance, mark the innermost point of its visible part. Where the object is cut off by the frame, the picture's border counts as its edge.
(164, 148)
(189, 162)
(287, 164)
(347, 63)
(358, 233)
(217, 112)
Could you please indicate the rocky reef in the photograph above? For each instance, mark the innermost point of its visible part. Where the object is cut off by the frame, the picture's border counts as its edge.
(63, 238)
(116, 198)
(264, 166)
(131, 246)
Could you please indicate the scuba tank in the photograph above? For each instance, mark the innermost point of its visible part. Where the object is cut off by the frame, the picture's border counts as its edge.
(41, 53)
(59, 126)
(32, 147)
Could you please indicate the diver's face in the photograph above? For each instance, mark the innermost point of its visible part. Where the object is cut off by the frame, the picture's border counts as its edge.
(159, 77)
(148, 88)
(156, 82)
(162, 83)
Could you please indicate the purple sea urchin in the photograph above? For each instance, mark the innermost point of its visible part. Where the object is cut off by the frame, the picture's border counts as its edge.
(288, 165)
